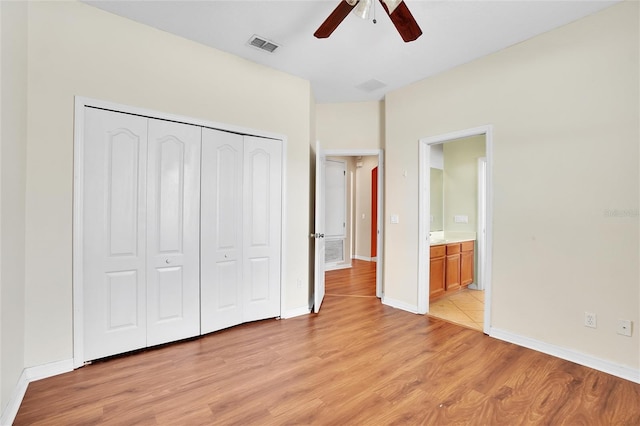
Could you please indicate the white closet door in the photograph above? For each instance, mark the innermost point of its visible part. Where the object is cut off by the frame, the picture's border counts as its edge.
(114, 174)
(221, 230)
(261, 230)
(173, 234)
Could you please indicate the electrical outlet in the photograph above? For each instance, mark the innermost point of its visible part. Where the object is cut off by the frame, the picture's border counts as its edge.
(590, 320)
(624, 327)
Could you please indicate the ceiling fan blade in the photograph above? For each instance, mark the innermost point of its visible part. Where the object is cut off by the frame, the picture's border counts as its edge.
(333, 20)
(404, 21)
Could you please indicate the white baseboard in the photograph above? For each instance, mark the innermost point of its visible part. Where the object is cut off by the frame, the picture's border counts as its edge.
(334, 266)
(29, 375)
(399, 305)
(365, 258)
(15, 399)
(292, 313)
(609, 367)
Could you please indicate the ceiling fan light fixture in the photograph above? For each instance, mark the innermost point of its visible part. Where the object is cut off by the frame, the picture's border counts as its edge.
(363, 8)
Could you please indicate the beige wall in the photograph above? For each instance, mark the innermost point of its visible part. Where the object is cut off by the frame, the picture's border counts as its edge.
(565, 111)
(460, 184)
(356, 125)
(564, 108)
(75, 49)
(13, 136)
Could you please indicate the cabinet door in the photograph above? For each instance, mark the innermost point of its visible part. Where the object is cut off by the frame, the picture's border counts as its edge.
(436, 277)
(173, 232)
(466, 267)
(453, 272)
(221, 230)
(261, 230)
(114, 250)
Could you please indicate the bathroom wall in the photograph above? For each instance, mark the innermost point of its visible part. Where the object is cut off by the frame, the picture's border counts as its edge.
(460, 186)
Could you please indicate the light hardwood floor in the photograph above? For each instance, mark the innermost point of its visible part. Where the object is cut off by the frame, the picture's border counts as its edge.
(357, 362)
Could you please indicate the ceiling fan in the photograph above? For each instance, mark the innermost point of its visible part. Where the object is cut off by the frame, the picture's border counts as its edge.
(397, 10)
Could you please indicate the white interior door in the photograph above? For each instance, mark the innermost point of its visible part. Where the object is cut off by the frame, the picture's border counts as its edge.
(173, 232)
(335, 211)
(114, 217)
(261, 230)
(319, 231)
(221, 230)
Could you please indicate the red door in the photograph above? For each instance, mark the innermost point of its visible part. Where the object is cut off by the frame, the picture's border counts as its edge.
(374, 212)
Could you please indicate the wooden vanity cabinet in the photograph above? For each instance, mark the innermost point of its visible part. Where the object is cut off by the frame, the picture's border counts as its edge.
(466, 263)
(451, 268)
(436, 271)
(452, 281)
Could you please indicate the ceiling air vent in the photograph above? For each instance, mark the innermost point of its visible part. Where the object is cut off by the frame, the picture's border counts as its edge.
(262, 44)
(371, 85)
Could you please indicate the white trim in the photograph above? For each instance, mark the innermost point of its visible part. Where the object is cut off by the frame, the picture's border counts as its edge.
(29, 375)
(40, 372)
(365, 258)
(336, 266)
(283, 228)
(78, 151)
(599, 364)
(15, 399)
(296, 312)
(398, 304)
(78, 226)
(424, 225)
(482, 224)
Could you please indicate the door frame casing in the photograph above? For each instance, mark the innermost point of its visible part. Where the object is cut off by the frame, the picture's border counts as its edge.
(380, 154)
(424, 212)
(80, 103)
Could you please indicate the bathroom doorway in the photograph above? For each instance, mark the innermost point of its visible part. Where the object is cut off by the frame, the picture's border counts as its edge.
(454, 278)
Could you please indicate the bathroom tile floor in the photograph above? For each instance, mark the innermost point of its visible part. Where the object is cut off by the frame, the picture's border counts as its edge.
(465, 307)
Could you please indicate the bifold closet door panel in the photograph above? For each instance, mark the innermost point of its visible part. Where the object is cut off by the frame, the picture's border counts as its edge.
(114, 226)
(262, 195)
(221, 230)
(173, 231)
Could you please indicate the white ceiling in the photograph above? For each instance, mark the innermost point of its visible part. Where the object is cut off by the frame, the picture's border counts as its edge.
(454, 32)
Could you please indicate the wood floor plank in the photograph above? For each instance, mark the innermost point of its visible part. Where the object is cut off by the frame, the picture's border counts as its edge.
(357, 362)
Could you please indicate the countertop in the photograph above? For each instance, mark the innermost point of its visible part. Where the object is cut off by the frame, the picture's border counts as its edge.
(443, 237)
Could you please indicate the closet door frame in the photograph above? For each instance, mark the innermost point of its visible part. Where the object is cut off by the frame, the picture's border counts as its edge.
(81, 103)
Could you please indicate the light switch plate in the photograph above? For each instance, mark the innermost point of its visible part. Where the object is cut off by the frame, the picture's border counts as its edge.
(461, 219)
(395, 218)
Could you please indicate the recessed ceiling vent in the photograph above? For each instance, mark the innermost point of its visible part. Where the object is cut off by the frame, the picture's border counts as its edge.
(262, 44)
(371, 85)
